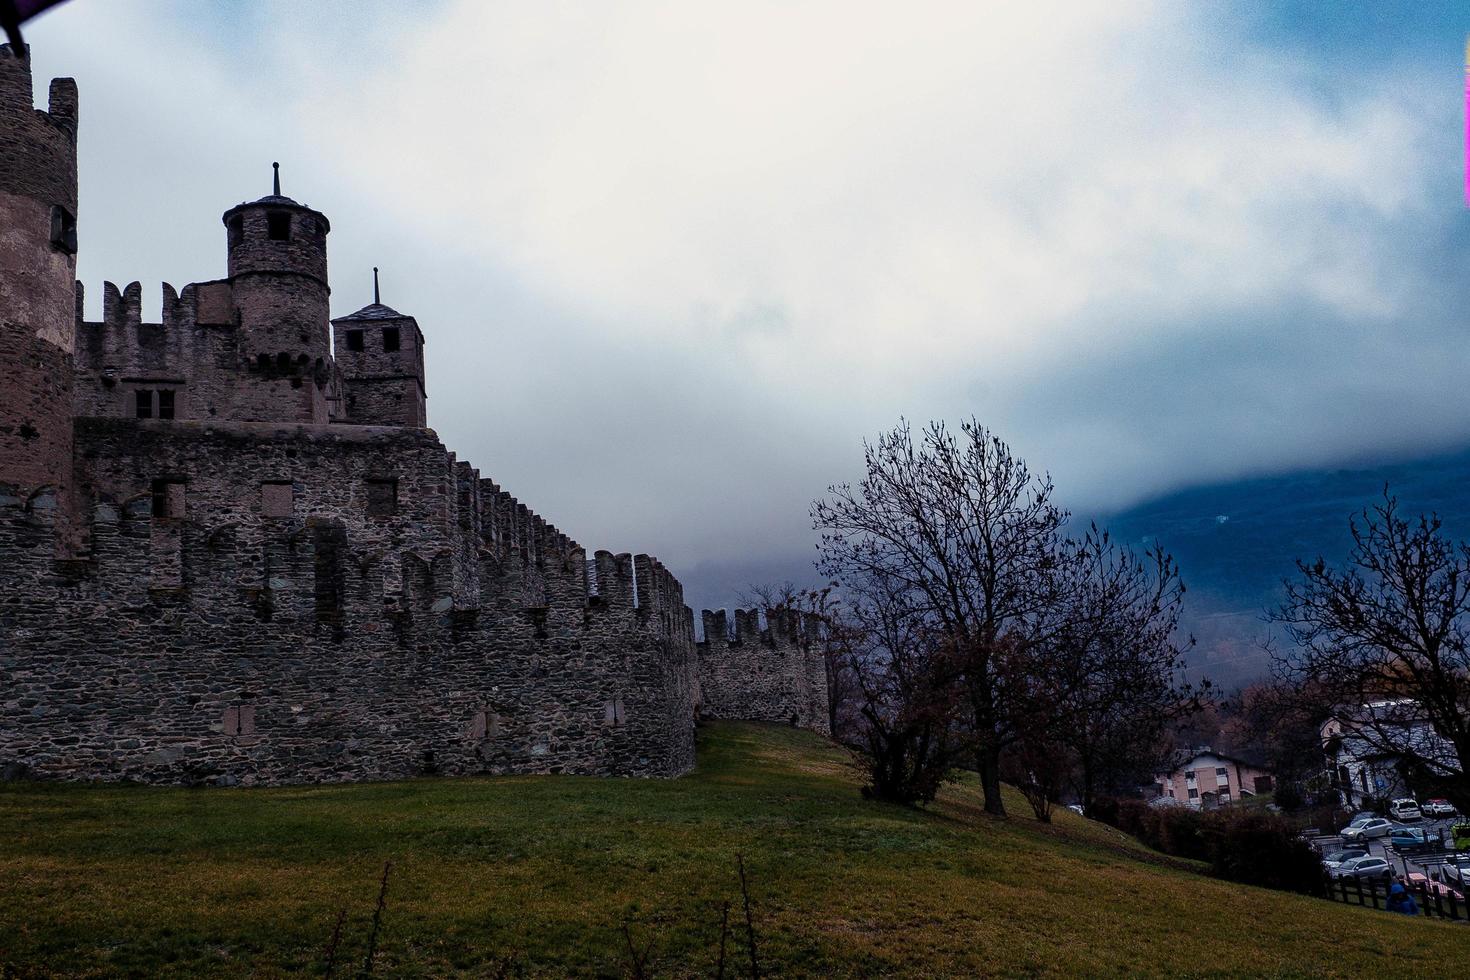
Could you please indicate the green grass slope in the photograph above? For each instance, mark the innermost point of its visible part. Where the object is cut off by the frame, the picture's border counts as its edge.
(105, 881)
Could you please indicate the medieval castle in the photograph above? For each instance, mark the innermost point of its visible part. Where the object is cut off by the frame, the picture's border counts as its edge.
(233, 553)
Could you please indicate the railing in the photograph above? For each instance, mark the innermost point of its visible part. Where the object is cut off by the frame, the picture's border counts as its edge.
(1435, 900)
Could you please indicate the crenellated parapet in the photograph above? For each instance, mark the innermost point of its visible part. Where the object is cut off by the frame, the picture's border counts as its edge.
(770, 666)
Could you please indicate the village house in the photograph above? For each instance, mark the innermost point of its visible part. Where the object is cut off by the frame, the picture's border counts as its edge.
(1209, 778)
(1367, 750)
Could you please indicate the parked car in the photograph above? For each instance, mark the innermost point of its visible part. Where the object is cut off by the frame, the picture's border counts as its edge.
(1409, 838)
(1365, 868)
(1333, 860)
(1405, 811)
(1368, 829)
(1455, 872)
(1438, 808)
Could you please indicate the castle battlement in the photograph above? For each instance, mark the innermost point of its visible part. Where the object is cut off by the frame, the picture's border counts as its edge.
(773, 672)
(237, 553)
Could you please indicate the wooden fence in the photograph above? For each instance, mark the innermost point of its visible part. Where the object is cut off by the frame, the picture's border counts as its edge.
(1434, 900)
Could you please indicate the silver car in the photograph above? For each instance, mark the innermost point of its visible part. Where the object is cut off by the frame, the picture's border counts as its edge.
(1365, 868)
(1368, 829)
(1333, 860)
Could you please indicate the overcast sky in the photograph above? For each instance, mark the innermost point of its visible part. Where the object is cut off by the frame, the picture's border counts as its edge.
(675, 261)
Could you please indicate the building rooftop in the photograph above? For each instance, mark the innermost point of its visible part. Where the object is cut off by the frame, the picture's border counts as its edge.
(375, 311)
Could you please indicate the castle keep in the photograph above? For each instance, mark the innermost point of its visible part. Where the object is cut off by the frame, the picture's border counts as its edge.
(234, 552)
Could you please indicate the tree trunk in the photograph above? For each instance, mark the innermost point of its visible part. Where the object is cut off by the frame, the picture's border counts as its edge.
(988, 762)
(1088, 789)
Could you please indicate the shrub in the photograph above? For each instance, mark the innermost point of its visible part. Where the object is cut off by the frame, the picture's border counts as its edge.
(1249, 846)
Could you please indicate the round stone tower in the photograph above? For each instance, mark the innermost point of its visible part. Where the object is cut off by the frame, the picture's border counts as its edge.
(38, 243)
(277, 269)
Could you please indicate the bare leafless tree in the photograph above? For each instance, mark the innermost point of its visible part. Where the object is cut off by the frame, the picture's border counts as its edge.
(967, 541)
(1384, 643)
(908, 731)
(1110, 676)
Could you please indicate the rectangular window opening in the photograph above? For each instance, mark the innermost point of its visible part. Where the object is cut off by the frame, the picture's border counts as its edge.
(63, 230)
(382, 498)
(390, 339)
(354, 340)
(165, 404)
(278, 226)
(168, 498)
(143, 404)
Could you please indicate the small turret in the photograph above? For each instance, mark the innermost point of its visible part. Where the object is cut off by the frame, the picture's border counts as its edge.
(380, 353)
(277, 270)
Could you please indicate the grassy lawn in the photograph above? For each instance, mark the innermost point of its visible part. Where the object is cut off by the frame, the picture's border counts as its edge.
(105, 881)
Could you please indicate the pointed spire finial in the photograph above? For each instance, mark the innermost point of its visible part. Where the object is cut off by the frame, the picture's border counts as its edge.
(276, 184)
(376, 301)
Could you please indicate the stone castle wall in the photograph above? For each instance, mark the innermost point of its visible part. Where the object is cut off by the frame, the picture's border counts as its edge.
(356, 646)
(195, 352)
(242, 584)
(775, 674)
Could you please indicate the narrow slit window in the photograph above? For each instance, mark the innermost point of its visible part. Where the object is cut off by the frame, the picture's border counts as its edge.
(236, 228)
(143, 404)
(354, 340)
(329, 582)
(278, 226)
(390, 339)
(165, 404)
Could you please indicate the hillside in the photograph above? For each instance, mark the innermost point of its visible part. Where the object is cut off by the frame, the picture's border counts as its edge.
(148, 881)
(1235, 541)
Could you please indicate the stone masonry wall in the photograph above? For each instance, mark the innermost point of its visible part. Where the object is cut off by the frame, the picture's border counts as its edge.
(777, 674)
(228, 645)
(201, 361)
